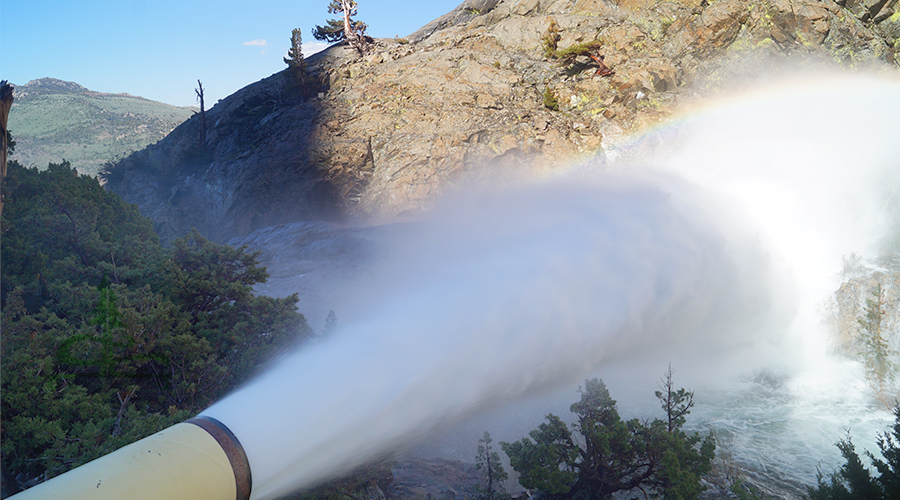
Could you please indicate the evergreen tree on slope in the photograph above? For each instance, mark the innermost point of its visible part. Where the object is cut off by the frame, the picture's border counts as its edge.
(854, 481)
(344, 28)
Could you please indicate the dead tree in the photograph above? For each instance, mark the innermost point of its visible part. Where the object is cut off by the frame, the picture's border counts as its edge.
(6, 100)
(199, 92)
(568, 56)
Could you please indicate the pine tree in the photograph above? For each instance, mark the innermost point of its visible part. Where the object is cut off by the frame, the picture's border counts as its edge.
(609, 457)
(876, 352)
(853, 480)
(295, 55)
(331, 323)
(889, 468)
(676, 403)
(488, 461)
(345, 28)
(683, 463)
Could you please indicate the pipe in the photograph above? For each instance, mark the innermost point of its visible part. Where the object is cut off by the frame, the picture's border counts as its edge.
(199, 459)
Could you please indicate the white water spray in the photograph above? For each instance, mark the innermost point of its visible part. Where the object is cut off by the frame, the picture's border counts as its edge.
(815, 162)
(505, 294)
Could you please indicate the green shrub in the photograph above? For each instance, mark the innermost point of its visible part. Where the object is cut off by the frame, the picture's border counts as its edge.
(606, 457)
(853, 480)
(550, 101)
(108, 336)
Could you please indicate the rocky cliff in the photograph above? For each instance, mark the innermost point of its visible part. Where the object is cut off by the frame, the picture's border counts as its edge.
(472, 95)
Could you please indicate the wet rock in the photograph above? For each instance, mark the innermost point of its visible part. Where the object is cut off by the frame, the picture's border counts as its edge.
(890, 30)
(434, 478)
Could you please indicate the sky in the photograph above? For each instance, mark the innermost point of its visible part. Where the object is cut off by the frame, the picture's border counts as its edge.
(159, 49)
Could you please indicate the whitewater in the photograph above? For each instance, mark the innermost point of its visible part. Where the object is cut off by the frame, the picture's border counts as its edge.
(710, 243)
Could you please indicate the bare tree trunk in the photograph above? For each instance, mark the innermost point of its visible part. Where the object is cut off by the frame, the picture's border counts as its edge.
(348, 28)
(6, 100)
(356, 40)
(199, 92)
(123, 404)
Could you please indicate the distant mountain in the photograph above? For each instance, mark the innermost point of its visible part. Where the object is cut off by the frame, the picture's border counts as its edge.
(52, 120)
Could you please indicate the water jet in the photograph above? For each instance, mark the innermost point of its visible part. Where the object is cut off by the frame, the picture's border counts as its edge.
(199, 459)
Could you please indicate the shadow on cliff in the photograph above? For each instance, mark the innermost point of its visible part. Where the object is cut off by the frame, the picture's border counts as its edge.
(263, 162)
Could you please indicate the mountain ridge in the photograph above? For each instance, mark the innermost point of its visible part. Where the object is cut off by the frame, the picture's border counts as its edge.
(53, 119)
(50, 84)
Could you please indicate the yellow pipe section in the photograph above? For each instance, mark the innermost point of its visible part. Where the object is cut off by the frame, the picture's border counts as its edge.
(199, 459)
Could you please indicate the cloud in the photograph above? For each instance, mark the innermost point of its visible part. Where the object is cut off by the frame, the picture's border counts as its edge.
(257, 43)
(310, 48)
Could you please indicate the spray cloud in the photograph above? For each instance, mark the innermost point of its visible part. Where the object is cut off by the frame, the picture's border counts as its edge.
(509, 294)
(504, 294)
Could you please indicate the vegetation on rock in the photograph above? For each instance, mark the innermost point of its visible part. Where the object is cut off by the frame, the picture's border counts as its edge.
(569, 55)
(550, 39)
(344, 28)
(294, 59)
(864, 314)
(550, 101)
(879, 358)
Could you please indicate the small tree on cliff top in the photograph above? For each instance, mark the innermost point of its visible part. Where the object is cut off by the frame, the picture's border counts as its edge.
(295, 60)
(345, 28)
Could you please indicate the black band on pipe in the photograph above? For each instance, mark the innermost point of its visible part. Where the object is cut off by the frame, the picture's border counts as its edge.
(233, 450)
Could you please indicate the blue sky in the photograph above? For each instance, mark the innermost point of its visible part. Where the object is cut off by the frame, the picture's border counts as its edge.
(158, 49)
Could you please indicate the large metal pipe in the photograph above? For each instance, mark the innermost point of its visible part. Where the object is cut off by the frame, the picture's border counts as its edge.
(199, 459)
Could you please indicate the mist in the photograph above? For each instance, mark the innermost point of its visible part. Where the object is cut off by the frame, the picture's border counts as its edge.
(709, 243)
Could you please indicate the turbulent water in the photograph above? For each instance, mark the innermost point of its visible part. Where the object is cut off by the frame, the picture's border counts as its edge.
(710, 244)
(815, 163)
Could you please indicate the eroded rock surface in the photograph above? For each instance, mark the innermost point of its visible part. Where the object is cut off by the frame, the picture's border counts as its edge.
(381, 138)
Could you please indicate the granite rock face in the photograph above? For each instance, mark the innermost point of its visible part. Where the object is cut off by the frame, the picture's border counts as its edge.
(381, 138)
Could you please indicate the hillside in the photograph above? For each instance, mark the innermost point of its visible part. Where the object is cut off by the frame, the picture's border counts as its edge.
(379, 137)
(52, 120)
